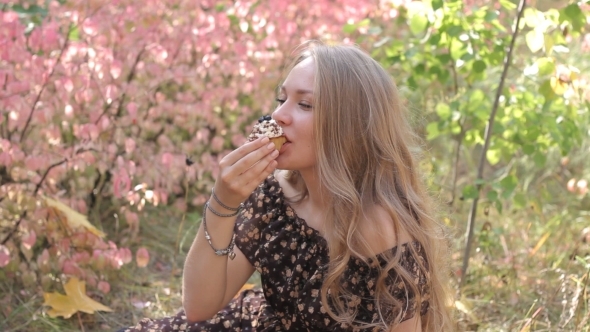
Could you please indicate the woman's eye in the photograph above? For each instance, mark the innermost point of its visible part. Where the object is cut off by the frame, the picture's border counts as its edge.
(305, 105)
(280, 101)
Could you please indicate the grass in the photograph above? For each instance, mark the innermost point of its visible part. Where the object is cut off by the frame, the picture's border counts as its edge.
(529, 272)
(523, 276)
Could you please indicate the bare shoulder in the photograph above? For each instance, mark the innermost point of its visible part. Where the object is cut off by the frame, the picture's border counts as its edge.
(380, 231)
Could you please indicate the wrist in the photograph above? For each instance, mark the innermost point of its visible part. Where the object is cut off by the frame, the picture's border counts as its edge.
(216, 202)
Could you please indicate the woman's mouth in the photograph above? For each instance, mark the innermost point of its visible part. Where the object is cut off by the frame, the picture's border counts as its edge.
(284, 147)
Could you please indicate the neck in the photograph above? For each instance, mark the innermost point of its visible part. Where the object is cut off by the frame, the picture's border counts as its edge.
(316, 193)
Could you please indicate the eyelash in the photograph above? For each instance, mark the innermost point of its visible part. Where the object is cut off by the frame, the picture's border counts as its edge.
(282, 101)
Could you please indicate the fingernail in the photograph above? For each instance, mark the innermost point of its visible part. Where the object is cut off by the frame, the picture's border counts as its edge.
(274, 153)
(265, 139)
(271, 146)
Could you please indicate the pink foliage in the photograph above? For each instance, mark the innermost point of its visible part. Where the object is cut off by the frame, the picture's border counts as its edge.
(104, 287)
(4, 255)
(105, 100)
(29, 239)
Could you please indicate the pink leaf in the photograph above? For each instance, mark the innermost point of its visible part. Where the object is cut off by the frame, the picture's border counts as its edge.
(104, 287)
(29, 240)
(167, 158)
(125, 255)
(142, 256)
(116, 69)
(132, 219)
(71, 268)
(129, 145)
(4, 256)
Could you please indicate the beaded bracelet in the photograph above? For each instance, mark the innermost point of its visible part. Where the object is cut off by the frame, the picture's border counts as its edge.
(229, 251)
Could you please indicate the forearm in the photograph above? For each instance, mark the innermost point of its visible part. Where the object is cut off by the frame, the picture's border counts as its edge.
(205, 278)
(209, 280)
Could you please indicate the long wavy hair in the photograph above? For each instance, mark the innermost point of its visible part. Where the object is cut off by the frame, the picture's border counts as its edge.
(364, 147)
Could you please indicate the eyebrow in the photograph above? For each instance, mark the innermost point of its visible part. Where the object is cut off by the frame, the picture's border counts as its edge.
(298, 91)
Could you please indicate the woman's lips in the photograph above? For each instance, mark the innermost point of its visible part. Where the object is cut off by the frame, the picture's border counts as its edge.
(285, 146)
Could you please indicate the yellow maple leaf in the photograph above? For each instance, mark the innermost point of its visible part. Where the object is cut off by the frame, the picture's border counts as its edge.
(74, 218)
(245, 287)
(74, 300)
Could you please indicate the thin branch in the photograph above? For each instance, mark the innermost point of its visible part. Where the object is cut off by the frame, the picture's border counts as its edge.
(30, 117)
(488, 136)
(128, 80)
(456, 165)
(15, 228)
(37, 187)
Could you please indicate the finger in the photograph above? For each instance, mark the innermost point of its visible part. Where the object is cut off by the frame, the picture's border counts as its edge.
(244, 184)
(244, 150)
(254, 171)
(263, 175)
(244, 164)
(241, 180)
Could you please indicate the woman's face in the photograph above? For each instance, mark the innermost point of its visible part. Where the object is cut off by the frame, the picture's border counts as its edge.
(295, 115)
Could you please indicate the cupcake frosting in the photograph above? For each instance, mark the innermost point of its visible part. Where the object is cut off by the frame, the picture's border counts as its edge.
(266, 126)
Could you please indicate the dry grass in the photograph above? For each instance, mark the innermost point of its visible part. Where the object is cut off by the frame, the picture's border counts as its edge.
(516, 281)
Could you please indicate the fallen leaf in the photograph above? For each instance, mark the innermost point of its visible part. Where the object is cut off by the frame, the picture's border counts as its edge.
(74, 300)
(74, 218)
(245, 287)
(539, 244)
(142, 256)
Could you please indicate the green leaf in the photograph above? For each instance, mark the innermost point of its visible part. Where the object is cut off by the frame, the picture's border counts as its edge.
(455, 30)
(476, 98)
(437, 4)
(532, 17)
(546, 90)
(493, 156)
(219, 7)
(508, 185)
(443, 110)
(546, 66)
(508, 4)
(549, 42)
(519, 200)
(490, 16)
(492, 195)
(74, 34)
(479, 66)
(540, 159)
(470, 192)
(457, 48)
(574, 14)
(418, 24)
(535, 40)
(528, 149)
(498, 205)
(349, 28)
(432, 131)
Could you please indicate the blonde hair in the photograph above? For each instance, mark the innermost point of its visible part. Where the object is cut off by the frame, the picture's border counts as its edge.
(363, 147)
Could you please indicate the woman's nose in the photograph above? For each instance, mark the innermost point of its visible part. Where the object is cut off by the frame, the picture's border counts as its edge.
(281, 115)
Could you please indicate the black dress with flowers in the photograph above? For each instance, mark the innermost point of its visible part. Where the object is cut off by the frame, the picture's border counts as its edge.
(292, 258)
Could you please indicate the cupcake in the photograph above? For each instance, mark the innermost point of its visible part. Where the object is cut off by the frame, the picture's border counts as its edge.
(268, 127)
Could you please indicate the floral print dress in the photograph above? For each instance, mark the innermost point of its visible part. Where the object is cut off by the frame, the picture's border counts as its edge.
(292, 258)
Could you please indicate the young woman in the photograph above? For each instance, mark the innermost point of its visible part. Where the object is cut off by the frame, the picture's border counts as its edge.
(337, 222)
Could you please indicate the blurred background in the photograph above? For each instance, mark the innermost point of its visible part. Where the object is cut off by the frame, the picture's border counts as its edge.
(114, 115)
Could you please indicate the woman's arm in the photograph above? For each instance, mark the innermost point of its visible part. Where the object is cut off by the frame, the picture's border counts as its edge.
(210, 281)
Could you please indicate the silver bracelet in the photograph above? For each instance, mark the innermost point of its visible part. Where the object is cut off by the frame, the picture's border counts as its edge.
(219, 214)
(223, 205)
(229, 251)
